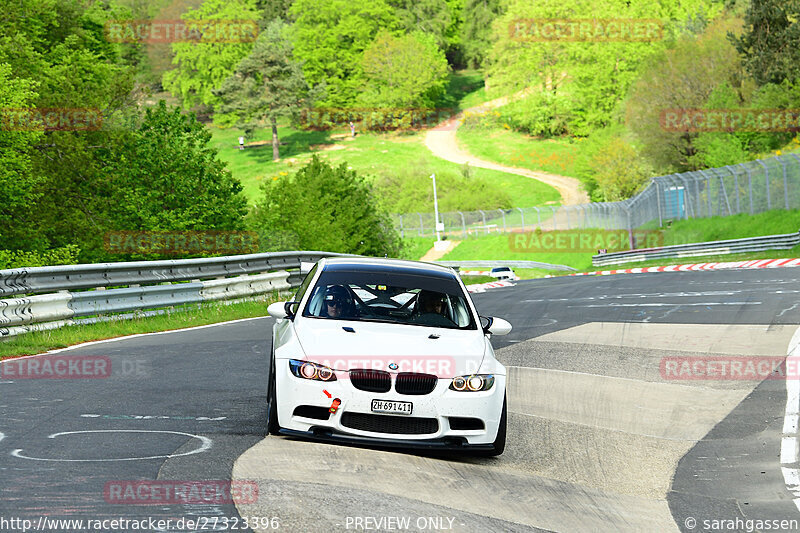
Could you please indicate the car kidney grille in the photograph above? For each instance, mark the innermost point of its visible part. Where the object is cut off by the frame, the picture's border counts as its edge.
(396, 425)
(413, 383)
(370, 380)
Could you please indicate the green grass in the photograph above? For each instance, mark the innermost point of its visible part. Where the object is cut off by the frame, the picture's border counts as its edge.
(752, 256)
(466, 89)
(498, 246)
(477, 280)
(42, 341)
(508, 147)
(415, 247)
(733, 227)
(368, 154)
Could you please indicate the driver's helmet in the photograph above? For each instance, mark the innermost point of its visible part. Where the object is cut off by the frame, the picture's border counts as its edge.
(340, 296)
(430, 302)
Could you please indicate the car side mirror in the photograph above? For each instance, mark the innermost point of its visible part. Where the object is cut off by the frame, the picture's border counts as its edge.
(495, 326)
(283, 309)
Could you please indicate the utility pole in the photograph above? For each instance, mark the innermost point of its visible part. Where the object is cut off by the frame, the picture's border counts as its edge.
(436, 209)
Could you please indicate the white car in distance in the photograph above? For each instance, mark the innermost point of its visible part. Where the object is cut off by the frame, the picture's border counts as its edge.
(502, 273)
(387, 352)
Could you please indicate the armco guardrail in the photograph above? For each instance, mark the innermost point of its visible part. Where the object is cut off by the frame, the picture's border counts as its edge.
(733, 246)
(142, 285)
(37, 280)
(517, 264)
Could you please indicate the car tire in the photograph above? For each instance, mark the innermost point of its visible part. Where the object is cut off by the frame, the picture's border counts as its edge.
(499, 444)
(272, 402)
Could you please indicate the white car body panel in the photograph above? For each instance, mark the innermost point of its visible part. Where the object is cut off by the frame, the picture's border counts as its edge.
(453, 352)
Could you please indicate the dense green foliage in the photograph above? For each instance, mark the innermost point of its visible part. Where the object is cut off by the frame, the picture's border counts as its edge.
(266, 86)
(404, 72)
(202, 67)
(144, 165)
(323, 207)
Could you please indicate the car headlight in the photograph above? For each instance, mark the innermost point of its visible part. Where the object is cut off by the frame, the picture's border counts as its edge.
(472, 383)
(307, 370)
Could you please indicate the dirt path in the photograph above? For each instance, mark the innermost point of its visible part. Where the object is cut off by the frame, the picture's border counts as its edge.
(434, 255)
(442, 142)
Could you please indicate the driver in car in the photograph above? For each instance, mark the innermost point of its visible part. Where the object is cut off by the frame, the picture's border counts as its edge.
(337, 303)
(431, 309)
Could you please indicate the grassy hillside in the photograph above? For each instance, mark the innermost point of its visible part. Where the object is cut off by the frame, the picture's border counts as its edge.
(380, 157)
(508, 147)
(370, 154)
(498, 246)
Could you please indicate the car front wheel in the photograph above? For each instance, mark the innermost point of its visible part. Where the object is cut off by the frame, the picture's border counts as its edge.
(272, 403)
(499, 444)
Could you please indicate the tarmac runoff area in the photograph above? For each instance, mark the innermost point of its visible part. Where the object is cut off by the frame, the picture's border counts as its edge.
(595, 435)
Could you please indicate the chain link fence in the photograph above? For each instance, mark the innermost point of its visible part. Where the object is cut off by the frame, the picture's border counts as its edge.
(751, 187)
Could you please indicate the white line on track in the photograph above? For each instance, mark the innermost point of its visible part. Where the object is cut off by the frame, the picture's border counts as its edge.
(675, 304)
(2, 436)
(204, 446)
(789, 442)
(115, 339)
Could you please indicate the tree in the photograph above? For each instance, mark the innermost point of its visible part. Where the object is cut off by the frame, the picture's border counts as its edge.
(266, 85)
(682, 78)
(476, 31)
(587, 79)
(330, 38)
(618, 171)
(323, 208)
(770, 43)
(202, 67)
(19, 184)
(432, 17)
(407, 71)
(168, 177)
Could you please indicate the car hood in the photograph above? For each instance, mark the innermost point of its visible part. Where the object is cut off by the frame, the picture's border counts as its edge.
(382, 346)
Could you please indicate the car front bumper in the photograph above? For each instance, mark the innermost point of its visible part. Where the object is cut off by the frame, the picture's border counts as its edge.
(442, 404)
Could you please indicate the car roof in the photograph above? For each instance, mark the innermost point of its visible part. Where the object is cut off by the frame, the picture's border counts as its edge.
(395, 266)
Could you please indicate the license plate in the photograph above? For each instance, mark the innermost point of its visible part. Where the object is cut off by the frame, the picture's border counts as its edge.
(392, 407)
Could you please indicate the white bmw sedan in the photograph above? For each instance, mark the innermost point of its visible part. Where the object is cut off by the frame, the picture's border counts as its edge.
(387, 352)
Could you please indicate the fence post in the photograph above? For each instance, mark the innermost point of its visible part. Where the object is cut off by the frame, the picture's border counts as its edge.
(555, 227)
(484, 221)
(402, 231)
(736, 187)
(658, 203)
(796, 158)
(539, 216)
(463, 224)
(630, 228)
(749, 184)
(504, 219)
(785, 185)
(522, 216)
(566, 213)
(420, 224)
(766, 182)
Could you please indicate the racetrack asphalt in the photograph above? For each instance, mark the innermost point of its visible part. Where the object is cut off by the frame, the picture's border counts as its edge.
(598, 439)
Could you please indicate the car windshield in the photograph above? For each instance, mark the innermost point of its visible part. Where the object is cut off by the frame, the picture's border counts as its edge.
(390, 297)
(501, 269)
